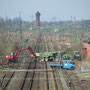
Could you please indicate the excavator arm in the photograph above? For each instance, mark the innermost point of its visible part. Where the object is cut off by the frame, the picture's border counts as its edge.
(30, 49)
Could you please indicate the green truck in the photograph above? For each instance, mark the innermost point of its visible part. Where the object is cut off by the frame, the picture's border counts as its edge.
(48, 56)
(63, 55)
(77, 55)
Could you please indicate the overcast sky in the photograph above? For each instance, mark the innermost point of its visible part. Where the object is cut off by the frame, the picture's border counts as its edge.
(61, 9)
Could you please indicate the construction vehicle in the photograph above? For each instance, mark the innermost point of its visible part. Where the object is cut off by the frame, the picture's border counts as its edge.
(55, 54)
(76, 55)
(68, 64)
(26, 39)
(48, 56)
(14, 56)
(24, 47)
(64, 61)
(64, 64)
(63, 55)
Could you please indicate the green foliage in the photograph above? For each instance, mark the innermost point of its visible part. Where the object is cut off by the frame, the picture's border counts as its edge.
(1, 50)
(75, 47)
(7, 49)
(8, 46)
(69, 50)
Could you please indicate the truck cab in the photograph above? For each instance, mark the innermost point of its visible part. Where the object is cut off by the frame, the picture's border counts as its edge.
(77, 55)
(68, 64)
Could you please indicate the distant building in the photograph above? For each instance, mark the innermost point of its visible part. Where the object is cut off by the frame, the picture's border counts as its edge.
(37, 21)
(86, 49)
(17, 19)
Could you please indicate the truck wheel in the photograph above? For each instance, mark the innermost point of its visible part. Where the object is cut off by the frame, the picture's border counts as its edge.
(61, 67)
(66, 68)
(55, 67)
(52, 67)
(72, 68)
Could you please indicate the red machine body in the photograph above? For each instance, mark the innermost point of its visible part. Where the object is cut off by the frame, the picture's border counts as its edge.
(15, 56)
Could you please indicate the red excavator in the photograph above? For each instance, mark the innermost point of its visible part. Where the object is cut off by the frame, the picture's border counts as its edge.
(13, 57)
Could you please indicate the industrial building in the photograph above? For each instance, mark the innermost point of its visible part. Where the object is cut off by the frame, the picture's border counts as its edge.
(86, 49)
(37, 21)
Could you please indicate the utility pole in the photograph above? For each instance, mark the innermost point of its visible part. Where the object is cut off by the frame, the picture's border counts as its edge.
(81, 42)
(75, 31)
(32, 21)
(71, 32)
(62, 39)
(21, 32)
(20, 25)
(81, 46)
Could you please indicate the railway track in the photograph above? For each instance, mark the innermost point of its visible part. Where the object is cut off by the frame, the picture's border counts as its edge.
(34, 80)
(69, 75)
(8, 77)
(8, 81)
(5, 86)
(55, 86)
(16, 76)
(76, 84)
(47, 77)
(29, 84)
(26, 75)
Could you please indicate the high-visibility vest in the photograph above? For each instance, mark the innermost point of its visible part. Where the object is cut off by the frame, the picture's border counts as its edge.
(61, 60)
(8, 57)
(11, 57)
(57, 58)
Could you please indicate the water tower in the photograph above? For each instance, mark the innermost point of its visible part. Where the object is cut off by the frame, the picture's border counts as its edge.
(37, 22)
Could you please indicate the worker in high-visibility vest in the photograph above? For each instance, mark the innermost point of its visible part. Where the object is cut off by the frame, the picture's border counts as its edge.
(57, 58)
(7, 58)
(70, 84)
